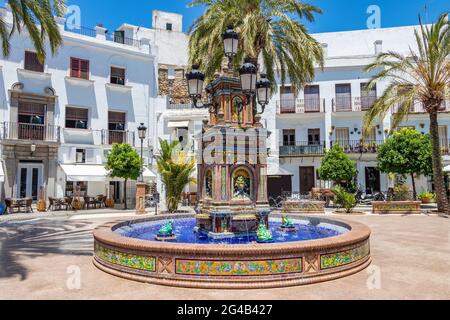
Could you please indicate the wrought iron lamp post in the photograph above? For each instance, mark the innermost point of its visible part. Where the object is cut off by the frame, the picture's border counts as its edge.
(248, 74)
(142, 132)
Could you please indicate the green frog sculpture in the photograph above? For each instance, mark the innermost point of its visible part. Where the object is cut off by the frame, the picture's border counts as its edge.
(166, 232)
(264, 235)
(287, 224)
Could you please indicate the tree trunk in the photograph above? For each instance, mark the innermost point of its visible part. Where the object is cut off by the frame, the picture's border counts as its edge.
(439, 183)
(125, 195)
(413, 179)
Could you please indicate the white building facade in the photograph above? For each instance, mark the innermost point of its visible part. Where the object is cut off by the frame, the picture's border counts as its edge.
(306, 122)
(59, 119)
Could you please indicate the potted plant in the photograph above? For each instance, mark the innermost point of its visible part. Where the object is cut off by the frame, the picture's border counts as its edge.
(427, 197)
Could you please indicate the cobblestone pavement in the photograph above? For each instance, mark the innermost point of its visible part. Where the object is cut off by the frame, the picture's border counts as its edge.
(42, 258)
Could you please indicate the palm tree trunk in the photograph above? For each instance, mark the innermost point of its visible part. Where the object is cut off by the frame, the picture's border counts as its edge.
(438, 172)
(413, 179)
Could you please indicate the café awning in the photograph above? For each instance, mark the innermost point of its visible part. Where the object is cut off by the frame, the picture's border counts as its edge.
(2, 173)
(89, 173)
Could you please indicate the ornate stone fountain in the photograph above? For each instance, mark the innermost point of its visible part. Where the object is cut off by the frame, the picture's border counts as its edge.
(232, 188)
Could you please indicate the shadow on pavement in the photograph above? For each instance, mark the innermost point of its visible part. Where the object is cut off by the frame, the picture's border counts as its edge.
(32, 239)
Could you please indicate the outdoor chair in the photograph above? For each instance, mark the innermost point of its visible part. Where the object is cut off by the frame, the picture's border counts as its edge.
(90, 202)
(28, 205)
(99, 201)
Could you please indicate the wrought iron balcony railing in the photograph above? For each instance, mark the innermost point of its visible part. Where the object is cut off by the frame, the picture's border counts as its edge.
(300, 106)
(89, 32)
(32, 132)
(352, 146)
(418, 107)
(348, 104)
(111, 137)
(302, 148)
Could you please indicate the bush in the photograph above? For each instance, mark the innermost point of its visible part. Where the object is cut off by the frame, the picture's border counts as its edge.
(427, 197)
(344, 199)
(402, 193)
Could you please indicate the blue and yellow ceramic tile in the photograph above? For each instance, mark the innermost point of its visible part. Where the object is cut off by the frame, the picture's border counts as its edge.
(239, 268)
(125, 260)
(343, 258)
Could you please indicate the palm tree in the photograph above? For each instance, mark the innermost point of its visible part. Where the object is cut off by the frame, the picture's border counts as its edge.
(422, 77)
(176, 171)
(37, 17)
(270, 30)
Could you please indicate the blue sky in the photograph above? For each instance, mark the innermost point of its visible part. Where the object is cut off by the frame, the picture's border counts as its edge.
(338, 15)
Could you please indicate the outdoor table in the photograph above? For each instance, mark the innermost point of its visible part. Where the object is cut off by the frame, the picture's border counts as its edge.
(20, 204)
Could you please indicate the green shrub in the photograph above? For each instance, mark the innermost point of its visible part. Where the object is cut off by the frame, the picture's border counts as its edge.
(427, 196)
(345, 199)
(402, 193)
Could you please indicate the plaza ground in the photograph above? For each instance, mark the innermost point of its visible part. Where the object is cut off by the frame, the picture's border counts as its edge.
(39, 257)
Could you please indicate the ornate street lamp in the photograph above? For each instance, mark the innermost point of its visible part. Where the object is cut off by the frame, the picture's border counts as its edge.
(248, 74)
(230, 44)
(195, 79)
(263, 91)
(142, 132)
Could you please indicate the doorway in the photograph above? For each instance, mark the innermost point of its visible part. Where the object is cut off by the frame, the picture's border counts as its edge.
(30, 177)
(307, 180)
(373, 180)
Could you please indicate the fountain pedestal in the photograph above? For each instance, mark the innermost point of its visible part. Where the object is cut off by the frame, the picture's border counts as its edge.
(232, 170)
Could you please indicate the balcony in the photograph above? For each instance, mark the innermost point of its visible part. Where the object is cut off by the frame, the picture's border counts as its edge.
(111, 137)
(358, 146)
(353, 104)
(286, 106)
(30, 132)
(302, 148)
(418, 107)
(92, 33)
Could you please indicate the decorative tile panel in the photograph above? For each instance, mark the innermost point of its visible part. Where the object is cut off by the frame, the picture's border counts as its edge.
(340, 259)
(239, 268)
(125, 260)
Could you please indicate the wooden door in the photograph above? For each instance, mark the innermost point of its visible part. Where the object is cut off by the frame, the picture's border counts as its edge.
(307, 179)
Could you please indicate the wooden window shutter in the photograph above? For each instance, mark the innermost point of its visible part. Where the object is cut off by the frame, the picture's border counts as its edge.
(84, 69)
(74, 67)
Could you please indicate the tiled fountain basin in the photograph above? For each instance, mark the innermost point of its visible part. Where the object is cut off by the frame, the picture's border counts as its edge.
(233, 266)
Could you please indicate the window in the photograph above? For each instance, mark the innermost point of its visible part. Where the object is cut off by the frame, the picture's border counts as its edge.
(31, 121)
(343, 97)
(343, 135)
(80, 156)
(368, 98)
(79, 68)
(77, 118)
(289, 137)
(169, 26)
(32, 62)
(287, 95)
(116, 127)
(312, 99)
(313, 136)
(118, 76)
